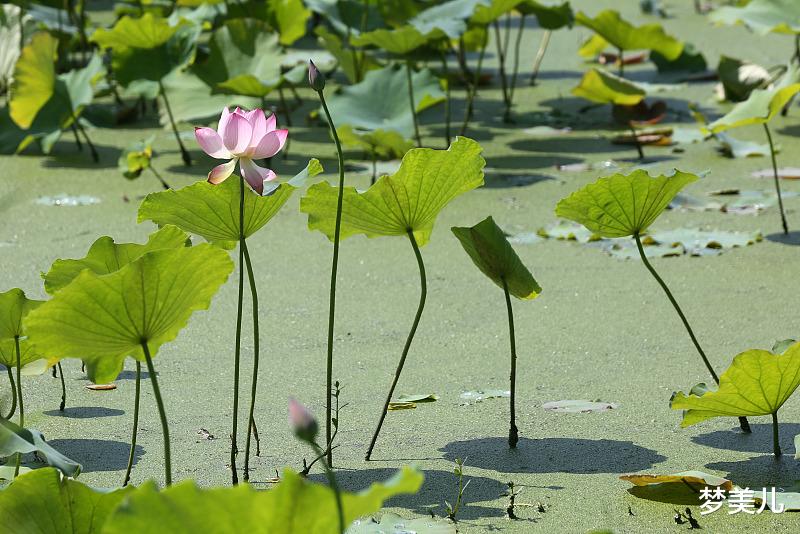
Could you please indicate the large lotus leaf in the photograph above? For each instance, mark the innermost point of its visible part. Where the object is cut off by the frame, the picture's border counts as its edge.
(28, 354)
(346, 16)
(191, 99)
(380, 101)
(762, 104)
(762, 16)
(44, 502)
(34, 79)
(353, 63)
(289, 17)
(101, 319)
(147, 48)
(105, 256)
(14, 306)
(409, 200)
(623, 205)
(487, 246)
(293, 506)
(601, 86)
(758, 382)
(486, 14)
(625, 36)
(400, 41)
(381, 143)
(212, 211)
(551, 16)
(449, 17)
(15, 439)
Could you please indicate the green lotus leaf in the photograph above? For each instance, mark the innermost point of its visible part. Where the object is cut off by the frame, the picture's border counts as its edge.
(44, 502)
(293, 506)
(192, 100)
(758, 382)
(762, 16)
(449, 18)
(101, 319)
(487, 246)
(601, 86)
(136, 158)
(381, 102)
(623, 35)
(739, 78)
(15, 439)
(147, 48)
(690, 60)
(34, 79)
(28, 354)
(623, 205)
(380, 143)
(592, 46)
(346, 16)
(289, 17)
(409, 200)
(400, 41)
(212, 211)
(551, 16)
(353, 63)
(487, 13)
(762, 104)
(14, 307)
(105, 256)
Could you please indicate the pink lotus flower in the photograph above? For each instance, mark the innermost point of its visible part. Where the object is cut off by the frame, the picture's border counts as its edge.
(243, 136)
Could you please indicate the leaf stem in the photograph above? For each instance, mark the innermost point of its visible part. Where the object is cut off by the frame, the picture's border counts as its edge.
(76, 123)
(513, 433)
(333, 483)
(636, 140)
(776, 446)
(238, 347)
(161, 412)
(621, 60)
(515, 72)
(254, 384)
(422, 296)
(135, 423)
(473, 89)
(501, 58)
(776, 178)
(410, 84)
(447, 118)
(537, 62)
(13, 393)
(334, 268)
(19, 396)
(63, 404)
(745, 426)
(187, 159)
(157, 174)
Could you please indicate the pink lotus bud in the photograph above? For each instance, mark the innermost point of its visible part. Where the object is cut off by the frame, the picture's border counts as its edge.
(315, 78)
(302, 421)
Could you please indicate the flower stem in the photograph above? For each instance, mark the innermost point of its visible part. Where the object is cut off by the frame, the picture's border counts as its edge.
(334, 485)
(135, 424)
(19, 396)
(473, 90)
(13, 393)
(537, 62)
(422, 296)
(334, 268)
(742, 420)
(513, 434)
(411, 102)
(254, 386)
(63, 404)
(238, 348)
(776, 446)
(161, 413)
(187, 159)
(776, 177)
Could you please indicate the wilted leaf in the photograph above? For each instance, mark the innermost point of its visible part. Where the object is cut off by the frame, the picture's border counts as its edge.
(568, 231)
(15, 439)
(623, 35)
(690, 477)
(101, 387)
(579, 406)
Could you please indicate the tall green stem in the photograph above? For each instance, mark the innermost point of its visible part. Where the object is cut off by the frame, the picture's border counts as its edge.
(333, 483)
(238, 348)
(187, 159)
(411, 103)
(501, 57)
(447, 119)
(776, 177)
(157, 174)
(334, 268)
(161, 412)
(776, 445)
(135, 424)
(19, 396)
(636, 142)
(742, 420)
(422, 296)
(13, 393)
(473, 90)
(621, 62)
(254, 383)
(63, 404)
(515, 73)
(513, 433)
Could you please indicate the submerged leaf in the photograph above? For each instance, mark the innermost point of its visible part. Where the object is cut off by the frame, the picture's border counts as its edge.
(623, 205)
(102, 319)
(490, 251)
(579, 406)
(409, 200)
(758, 382)
(15, 439)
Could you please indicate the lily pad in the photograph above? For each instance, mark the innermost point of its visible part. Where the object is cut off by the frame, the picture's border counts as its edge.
(15, 439)
(579, 406)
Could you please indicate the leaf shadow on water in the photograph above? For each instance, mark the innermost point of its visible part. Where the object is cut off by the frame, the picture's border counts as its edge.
(554, 455)
(791, 239)
(761, 471)
(568, 144)
(85, 412)
(760, 440)
(502, 181)
(672, 493)
(131, 375)
(97, 454)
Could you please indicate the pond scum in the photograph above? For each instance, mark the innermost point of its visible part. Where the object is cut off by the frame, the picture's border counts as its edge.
(382, 66)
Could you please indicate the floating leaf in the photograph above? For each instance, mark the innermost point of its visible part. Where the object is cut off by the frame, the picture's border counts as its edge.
(579, 406)
(421, 397)
(409, 200)
(481, 395)
(398, 405)
(490, 251)
(105, 256)
(394, 524)
(211, 211)
(687, 477)
(100, 387)
(786, 173)
(15, 439)
(14, 306)
(101, 319)
(762, 16)
(623, 35)
(600, 86)
(758, 382)
(623, 205)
